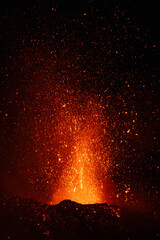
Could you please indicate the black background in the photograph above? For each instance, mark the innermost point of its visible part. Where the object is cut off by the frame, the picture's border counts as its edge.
(22, 20)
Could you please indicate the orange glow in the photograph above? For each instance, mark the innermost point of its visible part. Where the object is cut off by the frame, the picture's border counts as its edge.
(78, 181)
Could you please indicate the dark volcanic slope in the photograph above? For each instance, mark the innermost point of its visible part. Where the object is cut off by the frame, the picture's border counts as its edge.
(67, 220)
(28, 219)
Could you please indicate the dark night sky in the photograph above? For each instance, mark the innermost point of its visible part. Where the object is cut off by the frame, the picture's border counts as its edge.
(107, 49)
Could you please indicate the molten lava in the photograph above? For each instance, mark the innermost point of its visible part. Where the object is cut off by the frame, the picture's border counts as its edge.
(78, 181)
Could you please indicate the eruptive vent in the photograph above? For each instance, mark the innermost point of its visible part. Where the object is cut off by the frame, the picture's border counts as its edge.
(78, 181)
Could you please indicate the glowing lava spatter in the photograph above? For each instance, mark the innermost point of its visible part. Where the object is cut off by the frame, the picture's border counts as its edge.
(78, 180)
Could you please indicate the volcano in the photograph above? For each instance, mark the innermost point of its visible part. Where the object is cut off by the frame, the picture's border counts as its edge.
(28, 219)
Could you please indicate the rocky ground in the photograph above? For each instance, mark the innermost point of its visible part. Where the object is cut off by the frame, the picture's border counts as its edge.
(28, 219)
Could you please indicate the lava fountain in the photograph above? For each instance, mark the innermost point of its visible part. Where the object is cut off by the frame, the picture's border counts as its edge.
(81, 177)
(78, 181)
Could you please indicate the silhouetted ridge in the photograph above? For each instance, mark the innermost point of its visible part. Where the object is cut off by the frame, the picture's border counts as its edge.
(29, 219)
